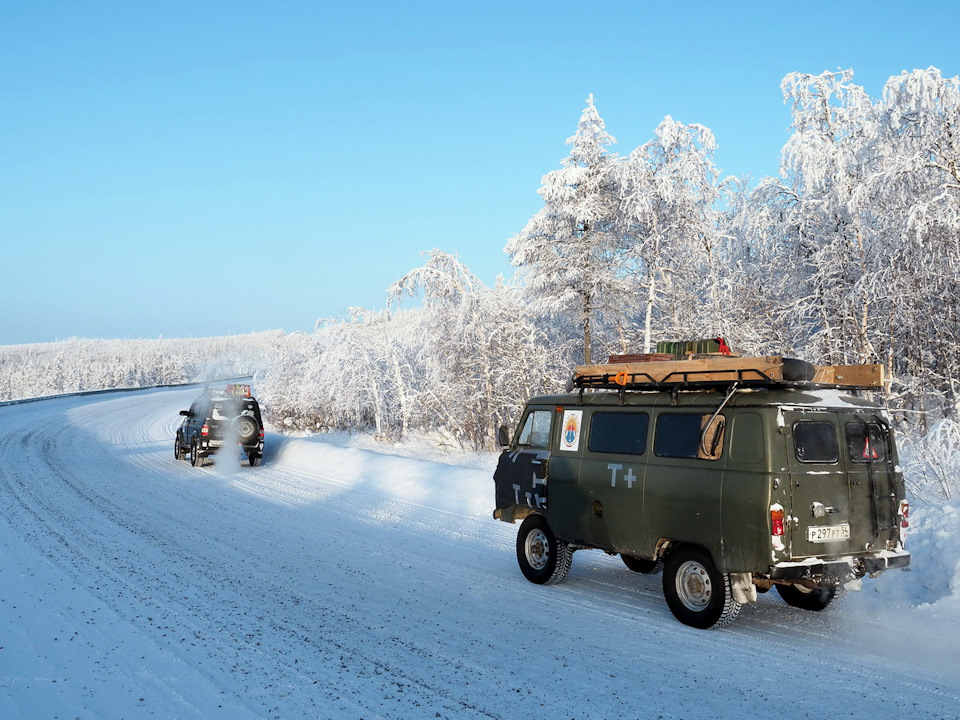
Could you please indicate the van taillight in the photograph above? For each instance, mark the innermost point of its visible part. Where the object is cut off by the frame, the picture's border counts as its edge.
(776, 522)
(904, 521)
(205, 430)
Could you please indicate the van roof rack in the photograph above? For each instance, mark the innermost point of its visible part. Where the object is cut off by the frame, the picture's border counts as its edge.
(712, 371)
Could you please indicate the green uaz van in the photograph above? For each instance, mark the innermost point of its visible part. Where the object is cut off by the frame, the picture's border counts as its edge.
(730, 487)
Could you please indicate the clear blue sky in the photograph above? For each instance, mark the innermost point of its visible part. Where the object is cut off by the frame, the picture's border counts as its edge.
(194, 169)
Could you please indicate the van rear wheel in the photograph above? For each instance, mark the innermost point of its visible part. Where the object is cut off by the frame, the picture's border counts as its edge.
(543, 559)
(697, 593)
(800, 596)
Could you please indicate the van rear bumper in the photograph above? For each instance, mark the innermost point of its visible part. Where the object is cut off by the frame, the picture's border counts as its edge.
(844, 568)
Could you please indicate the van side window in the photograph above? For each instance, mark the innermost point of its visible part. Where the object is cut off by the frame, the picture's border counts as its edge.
(815, 442)
(678, 436)
(619, 433)
(536, 430)
(866, 443)
(746, 438)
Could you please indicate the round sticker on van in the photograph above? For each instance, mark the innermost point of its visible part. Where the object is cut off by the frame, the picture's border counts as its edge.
(570, 434)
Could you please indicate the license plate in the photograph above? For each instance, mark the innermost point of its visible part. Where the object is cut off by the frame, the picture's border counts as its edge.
(828, 533)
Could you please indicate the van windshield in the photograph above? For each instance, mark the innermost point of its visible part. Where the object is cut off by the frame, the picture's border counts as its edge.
(536, 430)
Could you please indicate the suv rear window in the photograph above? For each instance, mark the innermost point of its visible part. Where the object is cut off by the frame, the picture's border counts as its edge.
(815, 442)
(619, 433)
(227, 408)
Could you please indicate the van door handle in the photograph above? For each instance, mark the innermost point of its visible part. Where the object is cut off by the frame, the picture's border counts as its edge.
(819, 510)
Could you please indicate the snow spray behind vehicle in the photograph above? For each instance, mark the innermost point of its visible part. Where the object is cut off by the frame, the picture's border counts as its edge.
(221, 419)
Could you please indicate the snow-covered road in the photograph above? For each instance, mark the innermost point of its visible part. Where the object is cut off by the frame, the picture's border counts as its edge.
(339, 582)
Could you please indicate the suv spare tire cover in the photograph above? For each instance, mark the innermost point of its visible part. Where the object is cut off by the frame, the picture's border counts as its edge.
(246, 428)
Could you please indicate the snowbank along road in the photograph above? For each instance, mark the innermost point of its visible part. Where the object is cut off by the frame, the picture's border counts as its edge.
(341, 582)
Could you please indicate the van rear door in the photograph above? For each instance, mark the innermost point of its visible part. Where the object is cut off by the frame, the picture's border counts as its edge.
(871, 458)
(841, 484)
(820, 494)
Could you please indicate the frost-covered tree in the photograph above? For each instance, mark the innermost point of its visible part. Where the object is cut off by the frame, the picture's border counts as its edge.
(823, 163)
(669, 192)
(571, 253)
(481, 352)
(912, 203)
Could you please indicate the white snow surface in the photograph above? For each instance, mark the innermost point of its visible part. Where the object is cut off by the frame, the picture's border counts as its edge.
(345, 579)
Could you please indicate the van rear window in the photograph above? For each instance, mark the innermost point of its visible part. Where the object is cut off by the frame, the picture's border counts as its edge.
(815, 442)
(866, 443)
(620, 433)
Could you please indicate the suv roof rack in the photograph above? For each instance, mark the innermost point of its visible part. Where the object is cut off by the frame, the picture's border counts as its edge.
(713, 371)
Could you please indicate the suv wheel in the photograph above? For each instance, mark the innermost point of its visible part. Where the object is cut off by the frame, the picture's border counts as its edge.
(697, 593)
(256, 460)
(177, 450)
(195, 458)
(543, 559)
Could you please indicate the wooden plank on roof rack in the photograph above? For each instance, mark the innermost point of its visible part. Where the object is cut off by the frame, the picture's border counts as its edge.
(704, 369)
(864, 376)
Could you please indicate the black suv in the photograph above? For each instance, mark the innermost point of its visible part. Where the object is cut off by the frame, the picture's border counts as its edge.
(217, 418)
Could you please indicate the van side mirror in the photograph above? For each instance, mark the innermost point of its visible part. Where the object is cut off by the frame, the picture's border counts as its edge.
(503, 436)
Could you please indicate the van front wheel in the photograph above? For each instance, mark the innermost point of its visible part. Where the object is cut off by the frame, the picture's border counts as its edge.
(697, 593)
(542, 558)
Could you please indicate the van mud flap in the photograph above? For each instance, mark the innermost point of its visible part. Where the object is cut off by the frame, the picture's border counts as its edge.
(521, 479)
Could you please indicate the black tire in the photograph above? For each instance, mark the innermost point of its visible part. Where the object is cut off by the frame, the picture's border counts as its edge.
(697, 593)
(177, 450)
(805, 598)
(196, 459)
(256, 460)
(642, 565)
(542, 558)
(246, 429)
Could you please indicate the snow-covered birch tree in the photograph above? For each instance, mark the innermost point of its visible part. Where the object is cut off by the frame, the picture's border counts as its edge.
(669, 191)
(823, 163)
(482, 354)
(570, 254)
(912, 201)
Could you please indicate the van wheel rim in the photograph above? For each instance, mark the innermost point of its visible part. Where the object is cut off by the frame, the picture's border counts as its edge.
(536, 548)
(693, 586)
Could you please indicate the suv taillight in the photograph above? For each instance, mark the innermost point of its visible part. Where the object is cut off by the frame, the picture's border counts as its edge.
(205, 430)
